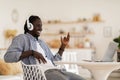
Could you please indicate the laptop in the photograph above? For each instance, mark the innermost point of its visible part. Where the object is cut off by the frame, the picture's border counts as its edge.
(109, 54)
(111, 50)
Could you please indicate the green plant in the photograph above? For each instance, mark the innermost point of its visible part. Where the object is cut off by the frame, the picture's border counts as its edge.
(117, 40)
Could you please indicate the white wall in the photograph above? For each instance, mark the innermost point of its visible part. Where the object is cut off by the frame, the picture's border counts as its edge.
(64, 10)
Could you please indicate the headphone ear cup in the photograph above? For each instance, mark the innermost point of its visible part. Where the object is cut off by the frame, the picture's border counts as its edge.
(29, 26)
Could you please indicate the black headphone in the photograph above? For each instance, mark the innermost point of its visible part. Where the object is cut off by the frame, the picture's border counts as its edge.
(29, 25)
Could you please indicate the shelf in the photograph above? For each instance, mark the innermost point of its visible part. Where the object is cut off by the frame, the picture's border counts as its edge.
(72, 34)
(3, 48)
(79, 32)
(71, 22)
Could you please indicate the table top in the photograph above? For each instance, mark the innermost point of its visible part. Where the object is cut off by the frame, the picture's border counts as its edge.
(89, 63)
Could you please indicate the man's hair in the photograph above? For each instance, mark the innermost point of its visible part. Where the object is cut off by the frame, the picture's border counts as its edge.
(31, 19)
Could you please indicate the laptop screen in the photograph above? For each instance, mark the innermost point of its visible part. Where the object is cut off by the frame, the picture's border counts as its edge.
(108, 57)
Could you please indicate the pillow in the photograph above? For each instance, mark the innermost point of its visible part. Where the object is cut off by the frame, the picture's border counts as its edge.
(10, 68)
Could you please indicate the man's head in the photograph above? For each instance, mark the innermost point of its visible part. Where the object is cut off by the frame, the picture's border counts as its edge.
(33, 26)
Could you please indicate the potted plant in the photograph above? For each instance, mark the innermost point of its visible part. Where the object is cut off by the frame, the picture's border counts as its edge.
(117, 40)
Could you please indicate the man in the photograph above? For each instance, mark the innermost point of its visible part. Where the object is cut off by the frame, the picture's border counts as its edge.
(32, 50)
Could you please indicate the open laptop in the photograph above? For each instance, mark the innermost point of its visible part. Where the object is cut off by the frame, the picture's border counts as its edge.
(109, 54)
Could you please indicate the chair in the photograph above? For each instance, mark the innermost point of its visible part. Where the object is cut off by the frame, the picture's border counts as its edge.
(108, 57)
(33, 72)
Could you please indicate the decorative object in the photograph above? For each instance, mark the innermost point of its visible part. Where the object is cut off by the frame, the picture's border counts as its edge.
(9, 33)
(117, 40)
(55, 43)
(96, 17)
(10, 68)
(15, 15)
(107, 31)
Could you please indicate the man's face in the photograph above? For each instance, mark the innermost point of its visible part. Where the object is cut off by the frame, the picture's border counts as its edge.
(37, 28)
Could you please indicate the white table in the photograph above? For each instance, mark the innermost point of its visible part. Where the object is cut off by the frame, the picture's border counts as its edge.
(99, 70)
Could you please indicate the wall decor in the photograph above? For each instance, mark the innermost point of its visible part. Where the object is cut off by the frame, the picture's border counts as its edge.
(9, 33)
(15, 15)
(107, 31)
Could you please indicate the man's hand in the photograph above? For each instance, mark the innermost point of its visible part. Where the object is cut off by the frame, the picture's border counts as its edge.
(65, 40)
(39, 57)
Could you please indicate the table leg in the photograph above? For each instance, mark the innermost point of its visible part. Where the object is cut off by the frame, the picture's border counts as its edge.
(100, 74)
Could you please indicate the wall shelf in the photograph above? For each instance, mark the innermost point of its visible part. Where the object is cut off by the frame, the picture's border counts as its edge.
(71, 22)
(77, 34)
(80, 31)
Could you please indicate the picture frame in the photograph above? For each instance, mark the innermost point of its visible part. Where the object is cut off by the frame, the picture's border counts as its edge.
(107, 31)
(15, 15)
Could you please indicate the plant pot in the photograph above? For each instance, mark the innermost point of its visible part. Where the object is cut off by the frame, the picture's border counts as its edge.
(118, 56)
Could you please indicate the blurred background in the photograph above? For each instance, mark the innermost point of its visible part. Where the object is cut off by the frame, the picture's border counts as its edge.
(92, 23)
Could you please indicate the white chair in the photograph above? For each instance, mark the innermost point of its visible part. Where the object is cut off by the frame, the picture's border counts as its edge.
(33, 72)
